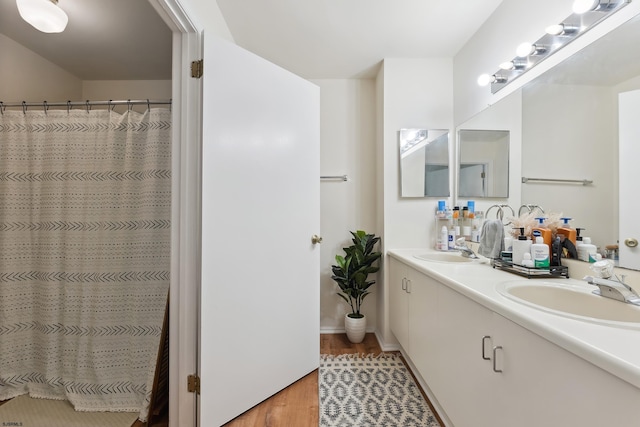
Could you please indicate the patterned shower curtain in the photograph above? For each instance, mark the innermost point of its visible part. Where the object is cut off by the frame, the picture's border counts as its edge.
(85, 200)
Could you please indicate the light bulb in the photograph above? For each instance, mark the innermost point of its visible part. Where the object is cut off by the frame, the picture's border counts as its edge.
(43, 15)
(582, 6)
(524, 49)
(508, 65)
(554, 30)
(484, 79)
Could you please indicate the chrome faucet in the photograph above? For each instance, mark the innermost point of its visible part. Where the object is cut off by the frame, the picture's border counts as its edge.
(615, 289)
(464, 250)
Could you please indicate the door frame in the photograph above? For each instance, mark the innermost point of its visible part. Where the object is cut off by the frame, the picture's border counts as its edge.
(185, 210)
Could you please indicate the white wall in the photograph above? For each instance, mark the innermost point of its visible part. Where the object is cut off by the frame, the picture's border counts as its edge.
(413, 93)
(347, 147)
(26, 76)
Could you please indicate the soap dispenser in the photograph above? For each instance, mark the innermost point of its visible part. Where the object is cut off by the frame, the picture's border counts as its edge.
(520, 247)
(544, 231)
(568, 232)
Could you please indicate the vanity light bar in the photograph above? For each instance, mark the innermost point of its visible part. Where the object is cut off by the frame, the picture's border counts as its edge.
(556, 37)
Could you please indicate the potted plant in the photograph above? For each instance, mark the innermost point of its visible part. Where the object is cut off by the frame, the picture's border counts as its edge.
(351, 274)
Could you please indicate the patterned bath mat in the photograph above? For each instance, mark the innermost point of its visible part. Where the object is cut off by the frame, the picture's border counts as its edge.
(368, 391)
(27, 412)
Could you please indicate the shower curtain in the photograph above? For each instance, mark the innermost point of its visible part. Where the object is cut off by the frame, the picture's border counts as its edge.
(85, 199)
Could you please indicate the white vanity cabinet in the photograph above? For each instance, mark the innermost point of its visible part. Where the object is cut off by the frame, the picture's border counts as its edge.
(412, 300)
(485, 370)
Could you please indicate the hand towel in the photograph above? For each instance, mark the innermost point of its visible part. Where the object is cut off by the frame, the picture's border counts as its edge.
(491, 239)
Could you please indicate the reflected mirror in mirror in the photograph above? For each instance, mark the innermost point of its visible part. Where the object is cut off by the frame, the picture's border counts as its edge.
(483, 168)
(578, 101)
(424, 162)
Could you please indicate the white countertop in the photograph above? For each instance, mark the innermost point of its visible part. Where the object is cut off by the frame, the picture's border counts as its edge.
(614, 349)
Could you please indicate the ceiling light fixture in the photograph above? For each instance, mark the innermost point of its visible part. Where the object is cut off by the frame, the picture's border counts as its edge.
(43, 15)
(586, 15)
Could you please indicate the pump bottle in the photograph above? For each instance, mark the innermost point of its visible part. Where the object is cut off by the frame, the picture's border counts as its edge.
(520, 247)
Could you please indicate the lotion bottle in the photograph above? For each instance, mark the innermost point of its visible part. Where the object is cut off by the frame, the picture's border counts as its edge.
(540, 253)
(520, 247)
(586, 251)
(544, 231)
(568, 232)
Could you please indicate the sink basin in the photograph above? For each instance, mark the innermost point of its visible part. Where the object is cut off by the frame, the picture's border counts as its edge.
(443, 257)
(576, 301)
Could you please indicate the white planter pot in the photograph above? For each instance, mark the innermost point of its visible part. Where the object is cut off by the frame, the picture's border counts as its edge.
(355, 327)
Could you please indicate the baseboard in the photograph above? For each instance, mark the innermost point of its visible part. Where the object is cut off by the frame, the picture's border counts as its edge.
(342, 331)
(384, 346)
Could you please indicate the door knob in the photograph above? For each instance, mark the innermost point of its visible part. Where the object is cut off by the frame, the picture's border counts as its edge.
(631, 242)
(315, 239)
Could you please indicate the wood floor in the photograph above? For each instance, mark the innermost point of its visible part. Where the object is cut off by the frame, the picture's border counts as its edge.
(297, 405)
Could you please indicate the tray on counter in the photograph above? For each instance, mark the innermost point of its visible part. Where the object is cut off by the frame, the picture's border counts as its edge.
(531, 273)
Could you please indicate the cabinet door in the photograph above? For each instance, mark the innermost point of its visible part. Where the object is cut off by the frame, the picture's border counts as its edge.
(399, 302)
(423, 292)
(460, 378)
(542, 384)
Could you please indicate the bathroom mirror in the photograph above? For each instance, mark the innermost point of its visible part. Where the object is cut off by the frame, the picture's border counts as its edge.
(483, 163)
(569, 135)
(424, 162)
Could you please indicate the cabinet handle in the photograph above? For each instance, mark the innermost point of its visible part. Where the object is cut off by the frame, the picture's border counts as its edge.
(495, 349)
(404, 283)
(409, 286)
(484, 356)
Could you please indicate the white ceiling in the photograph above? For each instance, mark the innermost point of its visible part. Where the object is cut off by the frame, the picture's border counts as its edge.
(349, 38)
(126, 39)
(104, 40)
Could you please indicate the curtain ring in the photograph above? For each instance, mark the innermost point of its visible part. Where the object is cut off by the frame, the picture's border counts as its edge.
(2, 107)
(148, 105)
(109, 105)
(170, 104)
(45, 106)
(68, 106)
(88, 106)
(24, 107)
(129, 105)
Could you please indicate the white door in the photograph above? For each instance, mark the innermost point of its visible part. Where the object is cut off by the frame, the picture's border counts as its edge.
(260, 299)
(629, 149)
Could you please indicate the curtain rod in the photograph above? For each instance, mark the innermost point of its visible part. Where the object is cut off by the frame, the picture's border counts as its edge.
(87, 104)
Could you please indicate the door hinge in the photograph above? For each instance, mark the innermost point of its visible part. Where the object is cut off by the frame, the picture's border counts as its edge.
(193, 384)
(197, 68)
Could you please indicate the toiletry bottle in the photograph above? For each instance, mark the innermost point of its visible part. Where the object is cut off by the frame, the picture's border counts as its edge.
(527, 261)
(521, 246)
(568, 232)
(456, 221)
(540, 253)
(544, 232)
(443, 241)
(578, 236)
(466, 223)
(476, 226)
(451, 237)
(586, 251)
